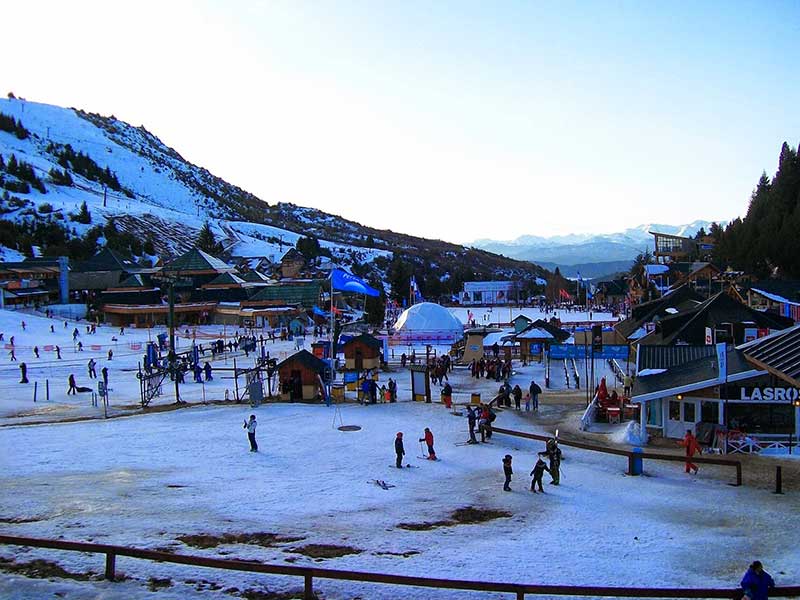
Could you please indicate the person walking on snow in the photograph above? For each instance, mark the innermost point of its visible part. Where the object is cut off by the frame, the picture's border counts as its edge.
(690, 443)
(36, 351)
(91, 368)
(207, 371)
(58, 352)
(507, 471)
(538, 471)
(517, 393)
(250, 426)
(534, 391)
(428, 439)
(756, 582)
(399, 450)
(12, 355)
(72, 387)
(23, 372)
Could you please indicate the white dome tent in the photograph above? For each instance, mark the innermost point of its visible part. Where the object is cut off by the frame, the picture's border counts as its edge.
(428, 320)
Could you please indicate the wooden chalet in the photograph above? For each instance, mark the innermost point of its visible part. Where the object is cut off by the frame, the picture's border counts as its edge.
(362, 353)
(775, 296)
(677, 248)
(292, 264)
(32, 281)
(300, 377)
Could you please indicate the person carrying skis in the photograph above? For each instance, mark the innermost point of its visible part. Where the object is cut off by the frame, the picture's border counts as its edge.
(507, 471)
(399, 450)
(553, 454)
(250, 426)
(428, 439)
(690, 443)
(538, 470)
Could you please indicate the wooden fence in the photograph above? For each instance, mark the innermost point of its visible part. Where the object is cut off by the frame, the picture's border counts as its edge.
(309, 573)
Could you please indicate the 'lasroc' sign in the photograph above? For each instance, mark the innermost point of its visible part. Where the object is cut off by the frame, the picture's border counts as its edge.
(770, 394)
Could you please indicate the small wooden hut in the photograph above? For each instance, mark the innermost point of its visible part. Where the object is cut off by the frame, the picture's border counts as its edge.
(362, 353)
(300, 377)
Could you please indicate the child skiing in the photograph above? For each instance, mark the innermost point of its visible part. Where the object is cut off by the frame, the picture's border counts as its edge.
(428, 439)
(538, 470)
(507, 471)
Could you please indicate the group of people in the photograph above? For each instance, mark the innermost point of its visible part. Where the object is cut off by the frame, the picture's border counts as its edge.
(553, 455)
(400, 451)
(493, 368)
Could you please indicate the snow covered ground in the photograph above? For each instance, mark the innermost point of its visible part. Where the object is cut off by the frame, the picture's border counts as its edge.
(146, 480)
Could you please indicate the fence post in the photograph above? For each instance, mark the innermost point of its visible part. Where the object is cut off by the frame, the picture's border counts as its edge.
(778, 480)
(308, 587)
(520, 595)
(738, 473)
(111, 563)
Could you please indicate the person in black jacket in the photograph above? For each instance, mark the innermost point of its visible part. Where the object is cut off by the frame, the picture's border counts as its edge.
(508, 471)
(553, 454)
(471, 419)
(399, 450)
(538, 470)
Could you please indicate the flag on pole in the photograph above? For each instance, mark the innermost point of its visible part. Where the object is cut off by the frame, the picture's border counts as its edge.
(415, 290)
(342, 280)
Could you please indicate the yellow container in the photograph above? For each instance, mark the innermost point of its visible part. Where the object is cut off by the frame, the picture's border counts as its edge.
(476, 398)
(337, 391)
(351, 386)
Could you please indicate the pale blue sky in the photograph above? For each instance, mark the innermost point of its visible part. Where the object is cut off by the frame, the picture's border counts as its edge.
(457, 120)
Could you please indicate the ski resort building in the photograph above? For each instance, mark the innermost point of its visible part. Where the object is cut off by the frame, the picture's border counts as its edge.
(300, 377)
(489, 293)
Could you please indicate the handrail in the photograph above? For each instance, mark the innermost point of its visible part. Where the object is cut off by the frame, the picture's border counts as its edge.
(308, 573)
(630, 454)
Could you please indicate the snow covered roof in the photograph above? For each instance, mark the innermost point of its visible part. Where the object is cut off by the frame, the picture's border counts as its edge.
(535, 334)
(197, 260)
(428, 316)
(774, 297)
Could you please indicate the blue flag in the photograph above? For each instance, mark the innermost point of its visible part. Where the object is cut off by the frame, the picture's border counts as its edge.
(342, 280)
(319, 312)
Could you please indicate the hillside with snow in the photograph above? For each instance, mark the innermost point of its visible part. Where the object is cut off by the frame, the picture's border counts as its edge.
(54, 159)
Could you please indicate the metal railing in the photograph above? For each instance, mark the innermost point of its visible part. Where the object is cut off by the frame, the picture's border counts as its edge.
(309, 573)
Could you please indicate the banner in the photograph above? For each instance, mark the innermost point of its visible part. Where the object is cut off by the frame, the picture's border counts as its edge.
(567, 351)
(342, 280)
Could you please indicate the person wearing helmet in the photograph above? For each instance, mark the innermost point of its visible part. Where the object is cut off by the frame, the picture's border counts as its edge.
(399, 450)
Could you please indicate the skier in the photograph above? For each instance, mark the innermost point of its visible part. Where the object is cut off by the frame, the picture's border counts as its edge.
(207, 370)
(553, 453)
(23, 372)
(110, 354)
(508, 471)
(13, 356)
(690, 443)
(198, 373)
(756, 583)
(471, 419)
(250, 426)
(90, 366)
(538, 470)
(72, 388)
(36, 351)
(104, 373)
(52, 330)
(23, 326)
(517, 393)
(399, 450)
(58, 352)
(80, 346)
(428, 439)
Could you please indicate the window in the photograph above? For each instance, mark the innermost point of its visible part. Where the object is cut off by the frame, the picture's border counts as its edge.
(689, 412)
(761, 418)
(654, 413)
(709, 412)
(674, 410)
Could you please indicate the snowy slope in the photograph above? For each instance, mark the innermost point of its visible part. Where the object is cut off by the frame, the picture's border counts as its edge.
(166, 196)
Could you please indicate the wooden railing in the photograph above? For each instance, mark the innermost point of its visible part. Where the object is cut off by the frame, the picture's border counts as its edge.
(630, 454)
(309, 573)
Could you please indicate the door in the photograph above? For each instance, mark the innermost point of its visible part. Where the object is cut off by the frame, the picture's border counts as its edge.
(359, 360)
(681, 415)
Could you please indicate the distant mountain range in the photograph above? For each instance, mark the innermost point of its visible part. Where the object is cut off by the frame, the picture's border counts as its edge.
(593, 255)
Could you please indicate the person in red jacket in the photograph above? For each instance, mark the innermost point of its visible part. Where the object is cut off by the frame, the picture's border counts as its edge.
(428, 439)
(690, 443)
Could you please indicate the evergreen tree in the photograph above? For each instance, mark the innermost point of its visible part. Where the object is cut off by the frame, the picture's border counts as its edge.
(84, 216)
(207, 241)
